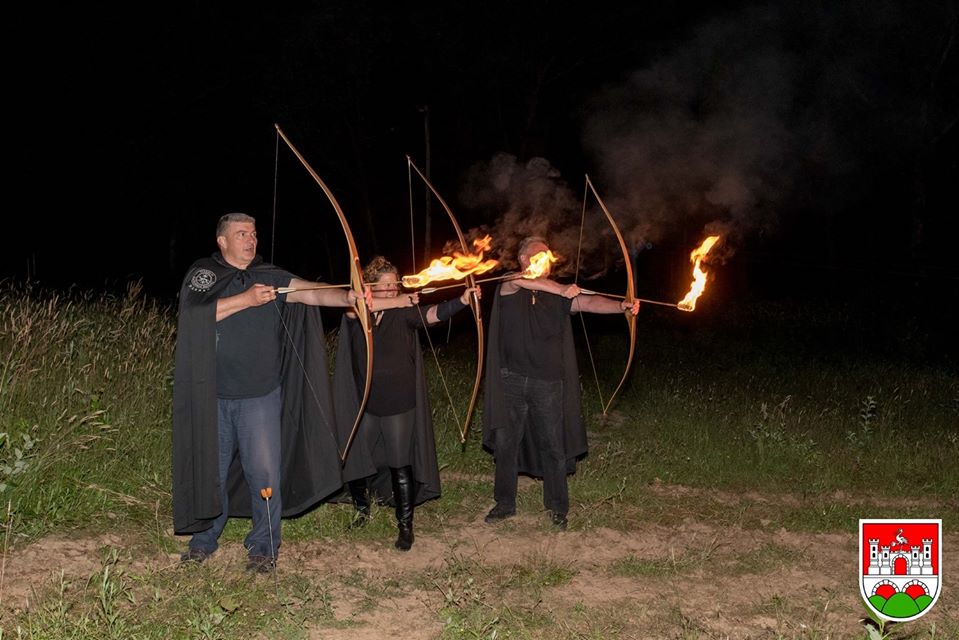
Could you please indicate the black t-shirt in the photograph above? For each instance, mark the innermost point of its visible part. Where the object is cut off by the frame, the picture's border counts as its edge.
(393, 389)
(249, 343)
(531, 333)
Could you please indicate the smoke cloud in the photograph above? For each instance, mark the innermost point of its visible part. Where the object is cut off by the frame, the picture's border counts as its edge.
(535, 201)
(756, 118)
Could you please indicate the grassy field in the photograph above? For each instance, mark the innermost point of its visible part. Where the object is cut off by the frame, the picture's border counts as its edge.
(721, 496)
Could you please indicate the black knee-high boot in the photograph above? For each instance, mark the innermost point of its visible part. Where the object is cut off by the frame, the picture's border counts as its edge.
(403, 496)
(359, 492)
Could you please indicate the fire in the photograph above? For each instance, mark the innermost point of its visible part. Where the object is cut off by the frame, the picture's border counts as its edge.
(539, 264)
(699, 276)
(455, 267)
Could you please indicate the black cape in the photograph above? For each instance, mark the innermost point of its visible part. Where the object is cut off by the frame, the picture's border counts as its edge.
(361, 462)
(495, 415)
(310, 468)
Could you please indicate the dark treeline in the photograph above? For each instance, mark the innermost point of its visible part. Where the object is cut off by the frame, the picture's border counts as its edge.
(821, 138)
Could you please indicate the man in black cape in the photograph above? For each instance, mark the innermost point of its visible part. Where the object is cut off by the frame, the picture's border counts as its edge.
(252, 408)
(532, 419)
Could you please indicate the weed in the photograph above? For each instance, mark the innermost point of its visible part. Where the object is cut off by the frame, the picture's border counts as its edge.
(769, 432)
(864, 436)
(14, 457)
(110, 589)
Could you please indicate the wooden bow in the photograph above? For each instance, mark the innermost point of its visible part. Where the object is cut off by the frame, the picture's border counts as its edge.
(356, 283)
(474, 305)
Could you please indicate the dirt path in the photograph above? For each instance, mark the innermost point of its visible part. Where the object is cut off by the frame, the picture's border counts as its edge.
(712, 582)
(693, 579)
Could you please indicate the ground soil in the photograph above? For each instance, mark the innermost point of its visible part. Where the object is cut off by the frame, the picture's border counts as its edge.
(709, 581)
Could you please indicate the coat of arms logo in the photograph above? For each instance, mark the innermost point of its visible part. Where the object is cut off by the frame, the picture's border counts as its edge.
(900, 566)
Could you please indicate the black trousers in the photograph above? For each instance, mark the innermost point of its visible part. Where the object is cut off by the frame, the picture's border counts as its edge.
(534, 408)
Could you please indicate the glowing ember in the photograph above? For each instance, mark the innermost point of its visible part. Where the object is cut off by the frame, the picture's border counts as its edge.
(699, 276)
(455, 267)
(539, 264)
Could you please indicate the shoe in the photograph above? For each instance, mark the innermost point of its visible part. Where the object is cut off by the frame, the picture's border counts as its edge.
(404, 536)
(498, 513)
(260, 564)
(402, 479)
(194, 555)
(359, 521)
(560, 521)
(360, 494)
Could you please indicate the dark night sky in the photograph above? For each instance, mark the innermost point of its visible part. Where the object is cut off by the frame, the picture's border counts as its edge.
(819, 137)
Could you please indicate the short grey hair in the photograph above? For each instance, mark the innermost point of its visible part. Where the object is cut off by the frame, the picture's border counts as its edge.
(229, 218)
(526, 242)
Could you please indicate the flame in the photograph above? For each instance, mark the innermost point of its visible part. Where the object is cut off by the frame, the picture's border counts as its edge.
(455, 267)
(539, 264)
(699, 276)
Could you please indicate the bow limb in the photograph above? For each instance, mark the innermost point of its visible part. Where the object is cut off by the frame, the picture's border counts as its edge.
(356, 284)
(474, 304)
(629, 297)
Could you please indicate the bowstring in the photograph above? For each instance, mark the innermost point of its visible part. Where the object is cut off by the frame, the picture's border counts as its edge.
(276, 173)
(306, 376)
(582, 319)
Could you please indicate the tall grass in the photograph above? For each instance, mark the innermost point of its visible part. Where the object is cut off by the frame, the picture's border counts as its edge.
(774, 399)
(84, 409)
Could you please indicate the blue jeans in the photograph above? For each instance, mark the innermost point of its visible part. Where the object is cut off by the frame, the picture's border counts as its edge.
(535, 406)
(251, 428)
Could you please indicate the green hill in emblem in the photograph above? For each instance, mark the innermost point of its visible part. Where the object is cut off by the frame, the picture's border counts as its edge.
(878, 602)
(901, 605)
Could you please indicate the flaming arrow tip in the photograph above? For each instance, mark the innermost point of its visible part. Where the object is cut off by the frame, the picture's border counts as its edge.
(699, 276)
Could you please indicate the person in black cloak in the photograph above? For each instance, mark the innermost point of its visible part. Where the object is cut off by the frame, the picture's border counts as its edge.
(393, 456)
(532, 419)
(253, 422)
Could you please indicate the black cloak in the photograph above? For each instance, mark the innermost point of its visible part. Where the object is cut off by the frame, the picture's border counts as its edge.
(494, 407)
(361, 462)
(310, 469)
